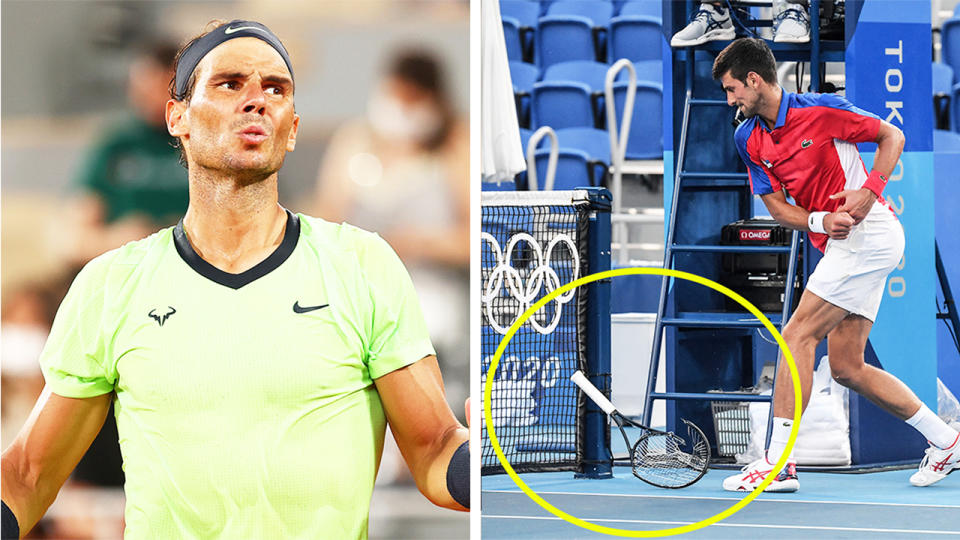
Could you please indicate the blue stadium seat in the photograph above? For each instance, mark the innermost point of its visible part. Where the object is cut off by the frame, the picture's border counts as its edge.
(950, 44)
(527, 14)
(511, 35)
(575, 169)
(561, 38)
(597, 12)
(523, 76)
(646, 124)
(942, 84)
(593, 74)
(647, 70)
(595, 142)
(645, 8)
(561, 104)
(525, 11)
(635, 37)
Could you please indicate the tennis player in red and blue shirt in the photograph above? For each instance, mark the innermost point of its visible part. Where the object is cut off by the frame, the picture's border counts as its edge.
(806, 145)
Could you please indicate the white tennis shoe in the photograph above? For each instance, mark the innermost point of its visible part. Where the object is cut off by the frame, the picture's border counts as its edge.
(937, 464)
(791, 24)
(753, 474)
(709, 23)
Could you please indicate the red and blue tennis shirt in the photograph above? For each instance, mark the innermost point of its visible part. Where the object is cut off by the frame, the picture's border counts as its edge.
(811, 151)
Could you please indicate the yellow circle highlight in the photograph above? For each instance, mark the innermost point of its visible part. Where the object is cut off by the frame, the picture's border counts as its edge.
(494, 363)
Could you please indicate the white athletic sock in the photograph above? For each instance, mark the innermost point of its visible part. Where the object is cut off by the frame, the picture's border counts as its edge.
(933, 428)
(779, 438)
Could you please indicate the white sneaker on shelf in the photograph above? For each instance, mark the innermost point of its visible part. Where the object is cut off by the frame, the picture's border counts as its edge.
(709, 23)
(937, 464)
(753, 474)
(791, 22)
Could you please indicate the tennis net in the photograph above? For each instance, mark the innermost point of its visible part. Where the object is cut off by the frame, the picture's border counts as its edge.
(533, 243)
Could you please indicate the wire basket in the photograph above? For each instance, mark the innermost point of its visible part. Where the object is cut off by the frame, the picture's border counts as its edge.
(731, 423)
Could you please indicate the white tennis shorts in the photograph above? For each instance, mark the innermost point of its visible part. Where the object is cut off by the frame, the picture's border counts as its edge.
(853, 271)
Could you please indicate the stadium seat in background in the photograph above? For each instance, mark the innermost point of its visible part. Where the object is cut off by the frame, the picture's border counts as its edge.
(573, 30)
(942, 85)
(646, 124)
(593, 74)
(526, 13)
(575, 169)
(644, 8)
(647, 70)
(562, 104)
(634, 35)
(561, 38)
(595, 142)
(950, 44)
(523, 76)
(598, 11)
(511, 35)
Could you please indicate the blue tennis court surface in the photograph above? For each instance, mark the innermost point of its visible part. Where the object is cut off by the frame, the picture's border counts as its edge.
(828, 506)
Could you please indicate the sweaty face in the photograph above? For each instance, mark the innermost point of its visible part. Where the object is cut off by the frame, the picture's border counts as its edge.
(241, 117)
(741, 95)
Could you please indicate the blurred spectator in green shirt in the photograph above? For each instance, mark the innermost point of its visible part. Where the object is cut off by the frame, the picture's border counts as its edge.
(132, 183)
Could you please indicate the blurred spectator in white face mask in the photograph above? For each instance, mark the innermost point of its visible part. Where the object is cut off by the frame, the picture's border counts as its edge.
(402, 170)
(24, 324)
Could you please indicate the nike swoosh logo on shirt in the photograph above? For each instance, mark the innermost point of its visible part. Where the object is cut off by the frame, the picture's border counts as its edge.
(306, 309)
(231, 30)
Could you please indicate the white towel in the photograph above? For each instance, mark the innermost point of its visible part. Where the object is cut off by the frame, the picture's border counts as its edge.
(501, 154)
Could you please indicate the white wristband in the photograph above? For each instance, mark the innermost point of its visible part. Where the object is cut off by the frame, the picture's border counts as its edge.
(815, 222)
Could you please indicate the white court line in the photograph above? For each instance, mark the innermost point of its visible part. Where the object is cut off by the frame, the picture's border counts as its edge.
(727, 524)
(697, 497)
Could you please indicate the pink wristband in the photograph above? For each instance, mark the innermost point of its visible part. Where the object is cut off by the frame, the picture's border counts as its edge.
(875, 182)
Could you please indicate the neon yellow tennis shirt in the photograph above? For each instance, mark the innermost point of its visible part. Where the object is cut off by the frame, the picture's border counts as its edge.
(245, 402)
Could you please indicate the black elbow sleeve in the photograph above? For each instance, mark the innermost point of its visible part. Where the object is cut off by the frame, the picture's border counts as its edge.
(458, 475)
(9, 528)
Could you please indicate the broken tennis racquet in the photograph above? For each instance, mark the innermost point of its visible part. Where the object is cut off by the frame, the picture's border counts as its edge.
(660, 458)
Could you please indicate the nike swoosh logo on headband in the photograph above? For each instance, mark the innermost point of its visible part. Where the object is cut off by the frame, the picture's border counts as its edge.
(239, 28)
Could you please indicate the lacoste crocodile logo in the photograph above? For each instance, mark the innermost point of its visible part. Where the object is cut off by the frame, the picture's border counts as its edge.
(806, 143)
(161, 318)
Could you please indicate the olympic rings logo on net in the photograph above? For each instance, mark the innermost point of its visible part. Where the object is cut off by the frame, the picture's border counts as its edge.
(526, 293)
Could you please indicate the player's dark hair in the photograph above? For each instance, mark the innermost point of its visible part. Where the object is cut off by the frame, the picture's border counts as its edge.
(743, 56)
(422, 69)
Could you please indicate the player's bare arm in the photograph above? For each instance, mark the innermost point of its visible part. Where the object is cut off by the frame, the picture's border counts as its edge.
(46, 450)
(836, 224)
(858, 202)
(425, 428)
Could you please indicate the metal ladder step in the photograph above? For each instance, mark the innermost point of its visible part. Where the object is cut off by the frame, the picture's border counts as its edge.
(711, 396)
(705, 248)
(692, 319)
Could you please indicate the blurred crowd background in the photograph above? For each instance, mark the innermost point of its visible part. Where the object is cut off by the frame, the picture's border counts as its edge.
(382, 91)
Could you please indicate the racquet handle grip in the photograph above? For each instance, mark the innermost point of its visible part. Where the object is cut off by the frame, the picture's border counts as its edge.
(588, 388)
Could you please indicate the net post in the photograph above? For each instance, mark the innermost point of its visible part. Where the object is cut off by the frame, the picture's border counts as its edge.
(597, 462)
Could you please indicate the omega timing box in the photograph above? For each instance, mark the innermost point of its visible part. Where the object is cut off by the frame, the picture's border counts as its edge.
(758, 277)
